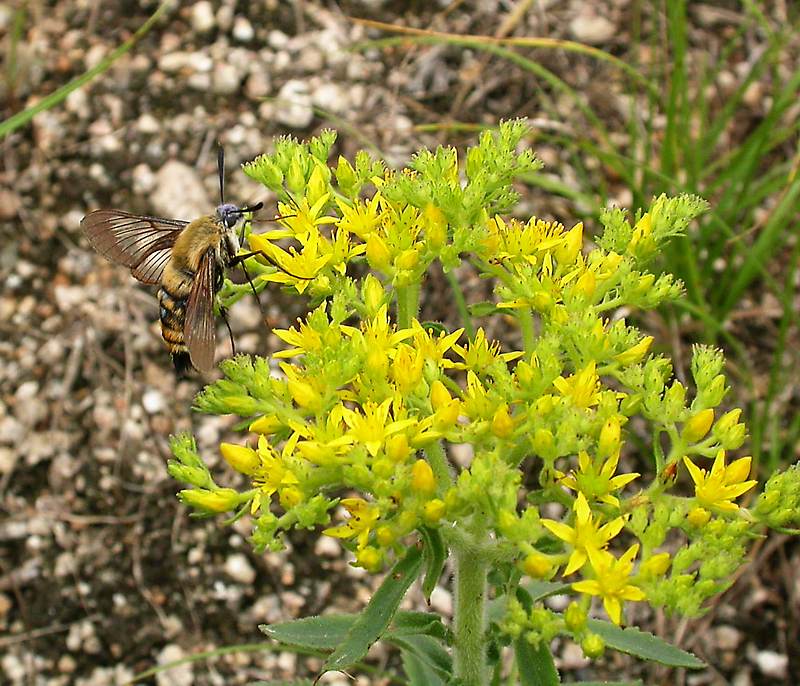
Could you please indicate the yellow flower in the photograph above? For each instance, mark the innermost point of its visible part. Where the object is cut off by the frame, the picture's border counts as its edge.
(272, 475)
(374, 426)
(422, 478)
(243, 459)
(718, 488)
(406, 369)
(479, 353)
(612, 580)
(538, 566)
(340, 250)
(363, 517)
(266, 424)
(583, 387)
(377, 338)
(301, 219)
(598, 484)
(636, 352)
(220, 500)
(698, 425)
(302, 389)
(297, 269)
(304, 340)
(586, 534)
(502, 422)
(433, 347)
(360, 218)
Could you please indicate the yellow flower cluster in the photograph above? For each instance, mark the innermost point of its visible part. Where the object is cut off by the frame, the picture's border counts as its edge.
(361, 414)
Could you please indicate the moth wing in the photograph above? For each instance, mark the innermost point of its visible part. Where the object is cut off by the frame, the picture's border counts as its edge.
(141, 243)
(200, 330)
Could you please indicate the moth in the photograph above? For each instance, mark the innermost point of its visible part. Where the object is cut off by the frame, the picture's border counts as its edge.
(187, 259)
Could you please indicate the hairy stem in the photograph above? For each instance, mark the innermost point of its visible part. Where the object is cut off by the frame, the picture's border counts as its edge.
(407, 304)
(469, 650)
(461, 304)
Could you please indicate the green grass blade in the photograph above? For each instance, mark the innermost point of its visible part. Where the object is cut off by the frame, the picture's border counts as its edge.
(56, 97)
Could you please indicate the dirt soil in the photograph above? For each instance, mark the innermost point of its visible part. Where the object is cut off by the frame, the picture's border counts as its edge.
(102, 573)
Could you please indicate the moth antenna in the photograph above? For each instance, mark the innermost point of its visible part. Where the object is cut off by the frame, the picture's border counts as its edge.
(221, 172)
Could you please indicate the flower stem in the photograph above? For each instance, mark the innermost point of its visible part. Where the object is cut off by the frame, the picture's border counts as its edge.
(469, 650)
(438, 462)
(407, 304)
(461, 304)
(525, 317)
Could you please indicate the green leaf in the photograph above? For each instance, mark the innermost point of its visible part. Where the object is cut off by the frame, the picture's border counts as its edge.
(317, 633)
(419, 673)
(419, 623)
(539, 590)
(377, 615)
(535, 664)
(644, 645)
(429, 653)
(435, 553)
(483, 309)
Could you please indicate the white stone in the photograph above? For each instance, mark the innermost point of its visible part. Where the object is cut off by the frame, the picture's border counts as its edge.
(294, 106)
(572, 657)
(277, 39)
(199, 62)
(772, 664)
(77, 102)
(225, 79)
(180, 675)
(148, 124)
(203, 19)
(442, 601)
(238, 567)
(153, 401)
(199, 82)
(173, 62)
(727, 637)
(332, 98)
(225, 17)
(179, 192)
(258, 84)
(592, 28)
(144, 180)
(243, 30)
(8, 460)
(327, 546)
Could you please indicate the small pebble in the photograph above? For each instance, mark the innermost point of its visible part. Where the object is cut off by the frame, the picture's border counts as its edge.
(243, 30)
(225, 79)
(238, 567)
(153, 401)
(772, 664)
(327, 547)
(179, 192)
(180, 675)
(592, 28)
(442, 601)
(294, 106)
(203, 19)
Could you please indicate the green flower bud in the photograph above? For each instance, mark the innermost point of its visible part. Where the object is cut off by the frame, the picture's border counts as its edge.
(295, 177)
(346, 177)
(575, 617)
(593, 646)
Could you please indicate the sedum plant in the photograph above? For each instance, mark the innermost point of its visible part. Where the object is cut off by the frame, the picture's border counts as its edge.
(565, 460)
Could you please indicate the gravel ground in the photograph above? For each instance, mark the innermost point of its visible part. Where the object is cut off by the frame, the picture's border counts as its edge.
(102, 574)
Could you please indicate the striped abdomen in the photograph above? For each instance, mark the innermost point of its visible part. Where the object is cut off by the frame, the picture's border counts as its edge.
(172, 312)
